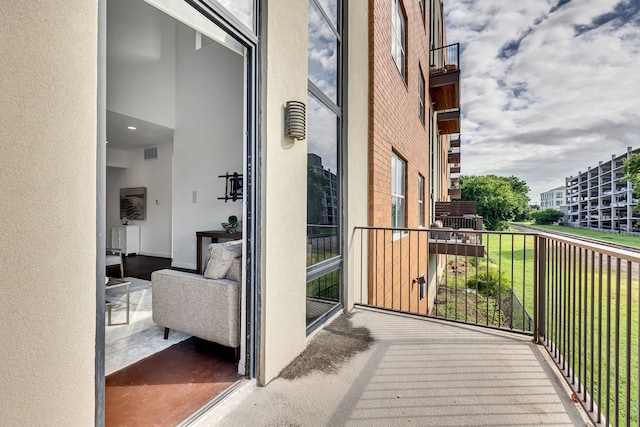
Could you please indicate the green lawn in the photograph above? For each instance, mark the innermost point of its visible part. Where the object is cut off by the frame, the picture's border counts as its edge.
(618, 238)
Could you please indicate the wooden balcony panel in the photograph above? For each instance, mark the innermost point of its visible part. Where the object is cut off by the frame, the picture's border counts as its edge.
(453, 158)
(455, 169)
(455, 143)
(455, 193)
(456, 247)
(444, 88)
(449, 122)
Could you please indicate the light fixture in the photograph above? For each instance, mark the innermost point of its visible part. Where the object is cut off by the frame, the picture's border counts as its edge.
(131, 127)
(295, 120)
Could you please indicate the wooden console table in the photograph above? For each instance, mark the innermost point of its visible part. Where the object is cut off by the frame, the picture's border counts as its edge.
(215, 236)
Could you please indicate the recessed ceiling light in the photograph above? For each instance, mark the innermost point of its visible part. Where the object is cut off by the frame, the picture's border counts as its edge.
(131, 127)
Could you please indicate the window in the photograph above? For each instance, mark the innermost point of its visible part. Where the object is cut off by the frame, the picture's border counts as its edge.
(397, 35)
(558, 202)
(420, 201)
(558, 195)
(398, 168)
(421, 96)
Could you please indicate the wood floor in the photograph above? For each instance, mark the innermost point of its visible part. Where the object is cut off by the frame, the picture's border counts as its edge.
(167, 387)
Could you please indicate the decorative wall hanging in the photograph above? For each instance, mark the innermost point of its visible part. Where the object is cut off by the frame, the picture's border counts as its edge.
(233, 186)
(133, 203)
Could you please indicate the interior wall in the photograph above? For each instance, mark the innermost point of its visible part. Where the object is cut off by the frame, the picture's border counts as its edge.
(155, 230)
(208, 140)
(141, 77)
(48, 82)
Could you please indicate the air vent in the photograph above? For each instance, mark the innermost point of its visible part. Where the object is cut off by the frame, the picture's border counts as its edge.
(151, 153)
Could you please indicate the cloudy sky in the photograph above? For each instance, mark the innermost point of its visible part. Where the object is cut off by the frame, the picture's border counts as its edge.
(549, 87)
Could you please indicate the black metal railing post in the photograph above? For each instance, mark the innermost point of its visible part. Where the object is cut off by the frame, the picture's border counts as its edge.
(540, 285)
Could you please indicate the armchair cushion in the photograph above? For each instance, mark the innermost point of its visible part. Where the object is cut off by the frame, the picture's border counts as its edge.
(221, 256)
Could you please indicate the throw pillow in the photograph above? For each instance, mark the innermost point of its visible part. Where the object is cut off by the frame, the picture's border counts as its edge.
(235, 270)
(222, 254)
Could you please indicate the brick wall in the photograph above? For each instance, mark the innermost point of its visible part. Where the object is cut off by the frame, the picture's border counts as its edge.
(394, 113)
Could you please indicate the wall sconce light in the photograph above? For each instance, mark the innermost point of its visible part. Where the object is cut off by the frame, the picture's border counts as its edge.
(295, 120)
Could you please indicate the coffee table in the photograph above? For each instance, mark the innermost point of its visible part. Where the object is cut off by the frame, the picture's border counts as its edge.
(116, 283)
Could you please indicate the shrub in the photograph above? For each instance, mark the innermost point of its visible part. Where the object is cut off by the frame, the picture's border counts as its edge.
(496, 282)
(547, 216)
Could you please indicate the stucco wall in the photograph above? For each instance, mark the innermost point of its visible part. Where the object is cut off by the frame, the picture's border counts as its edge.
(356, 148)
(48, 81)
(283, 188)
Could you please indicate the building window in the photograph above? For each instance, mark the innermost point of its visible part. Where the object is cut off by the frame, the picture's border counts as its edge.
(398, 25)
(420, 201)
(421, 96)
(398, 191)
(558, 195)
(558, 202)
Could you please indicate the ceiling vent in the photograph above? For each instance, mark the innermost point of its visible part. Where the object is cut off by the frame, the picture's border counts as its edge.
(151, 153)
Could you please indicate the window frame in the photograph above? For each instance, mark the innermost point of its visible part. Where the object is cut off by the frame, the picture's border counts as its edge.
(421, 96)
(398, 221)
(399, 37)
(421, 211)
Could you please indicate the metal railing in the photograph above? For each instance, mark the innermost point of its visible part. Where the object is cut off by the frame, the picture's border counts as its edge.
(445, 58)
(473, 222)
(578, 299)
(322, 243)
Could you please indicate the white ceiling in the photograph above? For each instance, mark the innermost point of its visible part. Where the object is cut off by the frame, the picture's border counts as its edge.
(146, 133)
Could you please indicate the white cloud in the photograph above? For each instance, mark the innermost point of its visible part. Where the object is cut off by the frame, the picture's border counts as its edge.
(558, 100)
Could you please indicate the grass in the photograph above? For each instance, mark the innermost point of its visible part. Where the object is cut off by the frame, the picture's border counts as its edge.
(618, 238)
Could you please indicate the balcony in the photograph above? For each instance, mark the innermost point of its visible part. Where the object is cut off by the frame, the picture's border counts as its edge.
(449, 121)
(551, 344)
(455, 142)
(453, 156)
(455, 193)
(379, 368)
(444, 77)
(577, 300)
(454, 168)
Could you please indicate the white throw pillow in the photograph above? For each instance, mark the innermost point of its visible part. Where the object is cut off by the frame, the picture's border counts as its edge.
(222, 255)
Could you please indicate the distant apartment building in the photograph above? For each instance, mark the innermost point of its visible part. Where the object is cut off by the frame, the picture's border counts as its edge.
(554, 199)
(600, 198)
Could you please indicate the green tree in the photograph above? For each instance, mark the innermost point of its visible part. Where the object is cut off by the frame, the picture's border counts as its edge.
(316, 186)
(547, 216)
(498, 199)
(631, 169)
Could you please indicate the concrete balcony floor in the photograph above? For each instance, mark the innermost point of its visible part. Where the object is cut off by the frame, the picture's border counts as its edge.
(372, 368)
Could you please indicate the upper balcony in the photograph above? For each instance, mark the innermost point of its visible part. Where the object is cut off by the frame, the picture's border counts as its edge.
(444, 77)
(453, 156)
(449, 121)
(455, 168)
(455, 142)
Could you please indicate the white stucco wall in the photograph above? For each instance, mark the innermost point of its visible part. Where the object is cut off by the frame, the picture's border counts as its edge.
(356, 149)
(48, 82)
(283, 188)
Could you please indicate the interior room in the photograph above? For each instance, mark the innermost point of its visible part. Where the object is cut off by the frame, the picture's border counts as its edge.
(175, 132)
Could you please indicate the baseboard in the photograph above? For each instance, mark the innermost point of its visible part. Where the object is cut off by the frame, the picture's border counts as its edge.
(155, 254)
(184, 265)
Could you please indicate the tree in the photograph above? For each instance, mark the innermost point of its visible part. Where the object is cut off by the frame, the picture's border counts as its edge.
(631, 169)
(498, 199)
(547, 216)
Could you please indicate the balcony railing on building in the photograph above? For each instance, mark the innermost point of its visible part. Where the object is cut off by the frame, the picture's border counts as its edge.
(454, 168)
(579, 300)
(444, 77)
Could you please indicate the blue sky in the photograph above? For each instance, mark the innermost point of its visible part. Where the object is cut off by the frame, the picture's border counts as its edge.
(548, 87)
